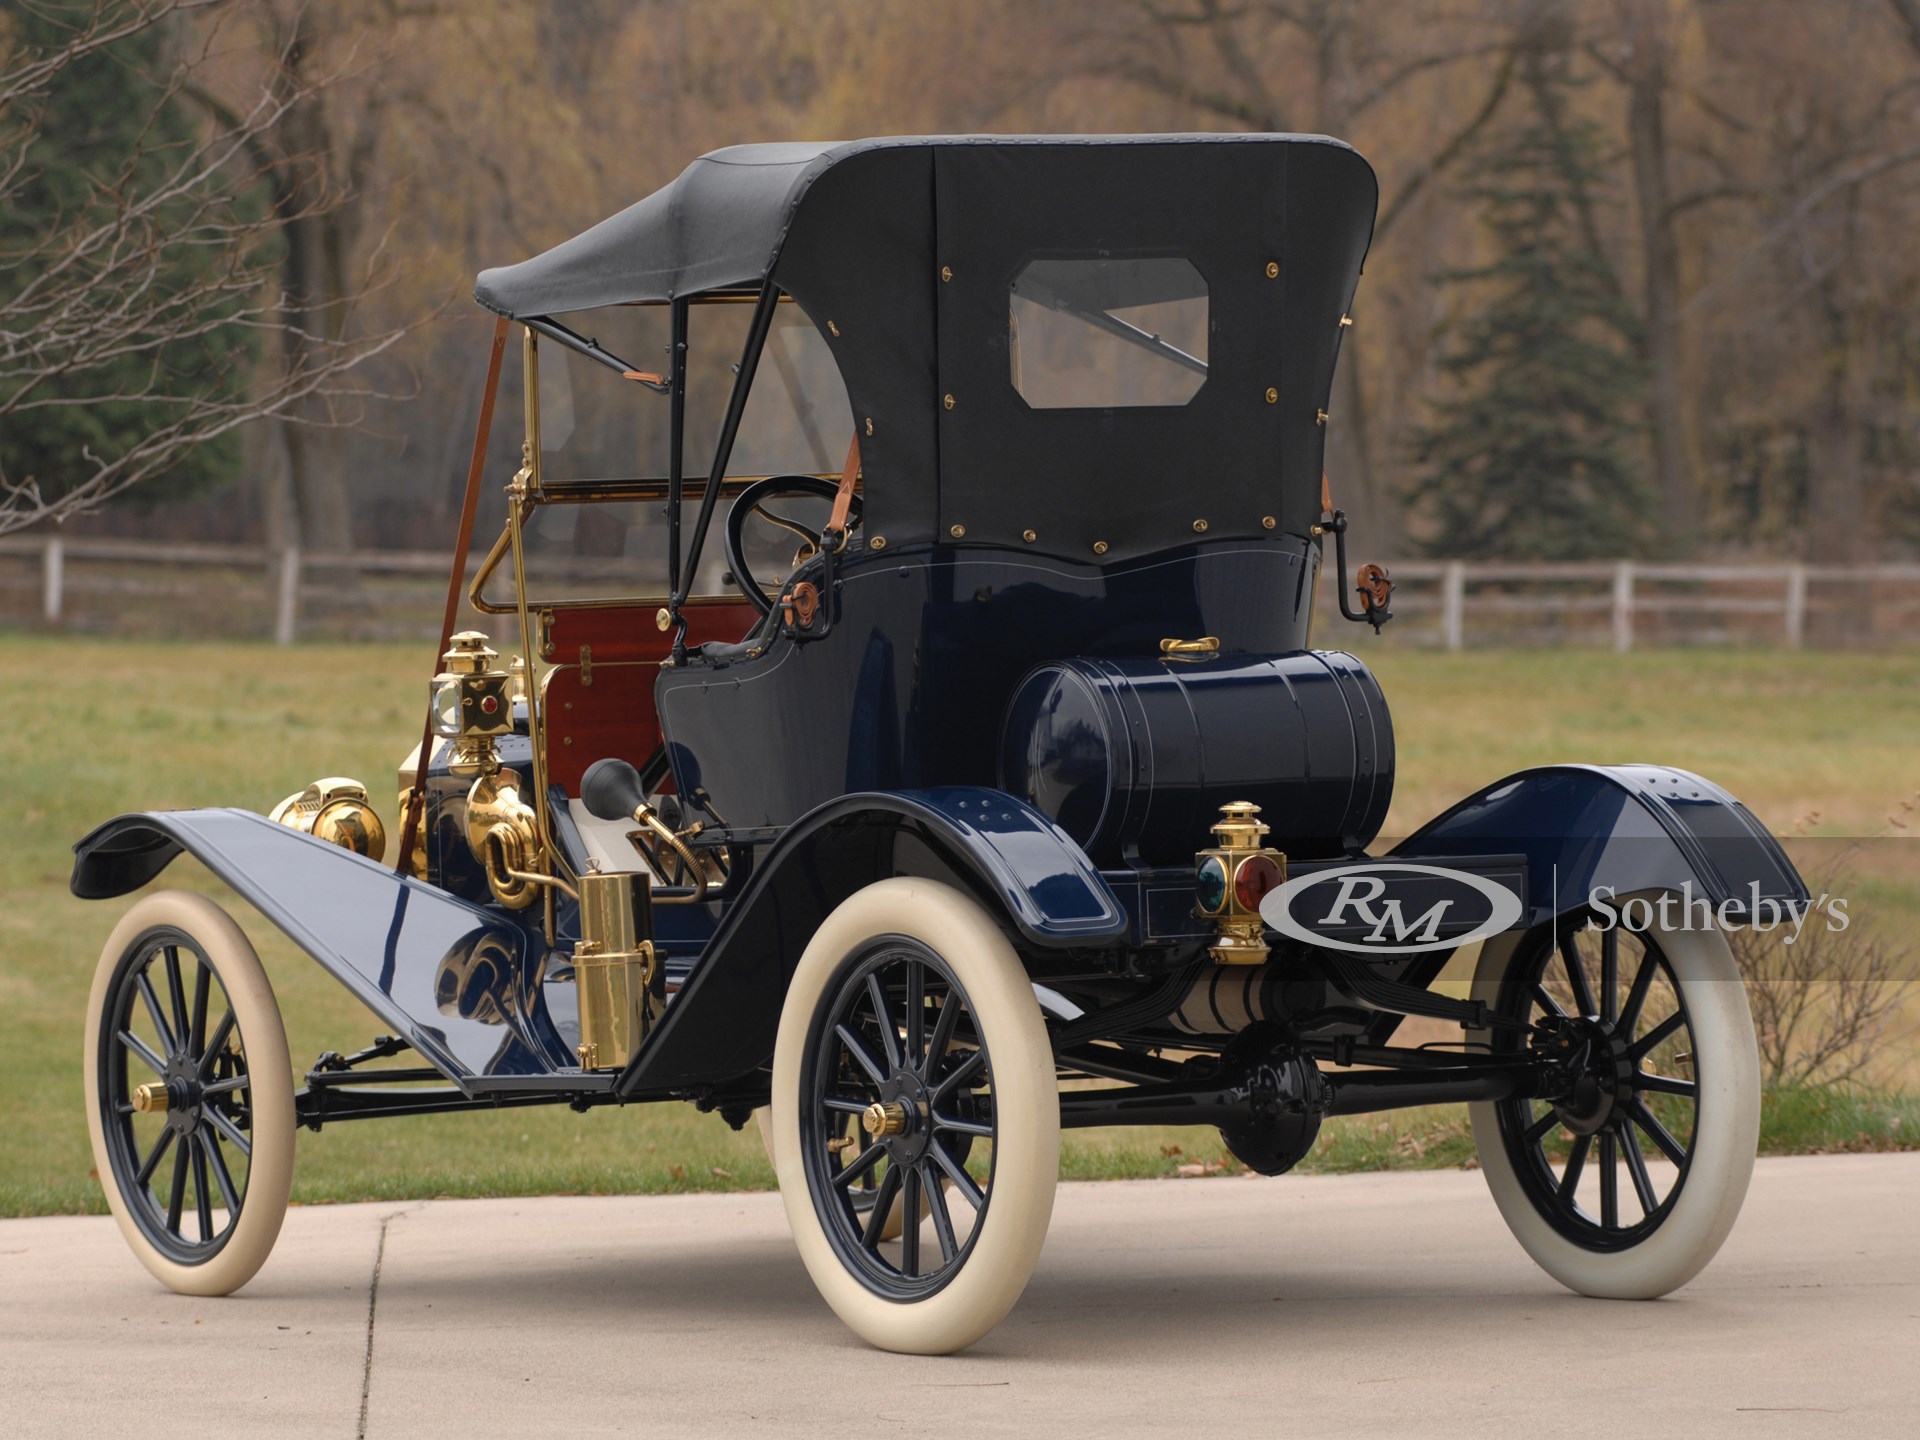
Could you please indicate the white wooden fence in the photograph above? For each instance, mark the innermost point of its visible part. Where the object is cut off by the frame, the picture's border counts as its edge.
(106, 584)
(1621, 603)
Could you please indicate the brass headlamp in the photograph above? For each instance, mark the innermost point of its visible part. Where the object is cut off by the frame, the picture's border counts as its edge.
(336, 810)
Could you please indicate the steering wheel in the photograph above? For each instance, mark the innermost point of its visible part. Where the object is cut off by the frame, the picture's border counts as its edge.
(752, 501)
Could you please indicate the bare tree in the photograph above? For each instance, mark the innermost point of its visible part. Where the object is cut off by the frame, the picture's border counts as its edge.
(166, 250)
(1810, 308)
(1823, 1001)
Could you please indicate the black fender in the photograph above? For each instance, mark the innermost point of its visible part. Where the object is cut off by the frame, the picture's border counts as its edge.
(1625, 827)
(458, 982)
(1022, 866)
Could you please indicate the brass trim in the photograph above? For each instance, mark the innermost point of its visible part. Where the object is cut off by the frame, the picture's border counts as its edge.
(151, 1099)
(555, 881)
(887, 1119)
(1273, 396)
(1273, 269)
(589, 492)
(1205, 645)
(519, 494)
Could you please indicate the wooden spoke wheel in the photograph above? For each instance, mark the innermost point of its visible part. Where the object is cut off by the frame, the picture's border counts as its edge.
(1626, 1180)
(189, 1094)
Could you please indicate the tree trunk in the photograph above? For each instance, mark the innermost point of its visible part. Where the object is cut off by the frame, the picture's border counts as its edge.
(1660, 304)
(314, 275)
(279, 512)
(1836, 473)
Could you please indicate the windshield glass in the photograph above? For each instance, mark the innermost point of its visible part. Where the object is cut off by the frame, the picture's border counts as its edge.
(597, 425)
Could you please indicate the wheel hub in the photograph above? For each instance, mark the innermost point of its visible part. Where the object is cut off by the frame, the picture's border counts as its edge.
(904, 1117)
(1600, 1078)
(179, 1098)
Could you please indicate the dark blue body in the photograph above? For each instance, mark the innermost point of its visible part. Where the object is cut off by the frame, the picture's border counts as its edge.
(909, 689)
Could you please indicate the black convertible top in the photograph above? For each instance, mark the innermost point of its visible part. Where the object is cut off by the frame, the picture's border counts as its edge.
(720, 223)
(902, 251)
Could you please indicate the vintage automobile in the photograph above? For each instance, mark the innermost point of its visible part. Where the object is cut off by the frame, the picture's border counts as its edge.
(981, 787)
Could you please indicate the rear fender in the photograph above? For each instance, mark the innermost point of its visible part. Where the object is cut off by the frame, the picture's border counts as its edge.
(1025, 869)
(459, 983)
(1616, 829)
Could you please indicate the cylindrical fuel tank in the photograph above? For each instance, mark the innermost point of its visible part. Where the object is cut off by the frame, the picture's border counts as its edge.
(1134, 757)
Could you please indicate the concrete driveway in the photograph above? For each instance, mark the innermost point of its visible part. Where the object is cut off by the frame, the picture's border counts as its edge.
(1381, 1305)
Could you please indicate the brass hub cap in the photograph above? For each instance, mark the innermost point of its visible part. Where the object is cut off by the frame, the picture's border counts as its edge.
(887, 1119)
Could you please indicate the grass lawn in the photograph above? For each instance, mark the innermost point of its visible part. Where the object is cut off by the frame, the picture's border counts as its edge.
(112, 726)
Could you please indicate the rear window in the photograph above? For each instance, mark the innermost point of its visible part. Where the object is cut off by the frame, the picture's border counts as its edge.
(1107, 333)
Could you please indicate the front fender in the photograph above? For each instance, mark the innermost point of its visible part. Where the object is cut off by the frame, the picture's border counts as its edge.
(1025, 868)
(1630, 827)
(457, 982)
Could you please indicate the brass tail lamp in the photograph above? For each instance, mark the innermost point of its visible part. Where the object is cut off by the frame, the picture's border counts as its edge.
(1232, 878)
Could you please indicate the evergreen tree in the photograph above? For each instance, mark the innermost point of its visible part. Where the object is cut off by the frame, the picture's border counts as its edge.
(1536, 455)
(105, 134)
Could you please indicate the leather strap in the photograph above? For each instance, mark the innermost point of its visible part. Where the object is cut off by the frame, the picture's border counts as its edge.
(843, 497)
(468, 508)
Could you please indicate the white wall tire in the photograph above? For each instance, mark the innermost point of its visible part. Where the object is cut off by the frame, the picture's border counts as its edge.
(227, 1126)
(884, 935)
(1650, 1249)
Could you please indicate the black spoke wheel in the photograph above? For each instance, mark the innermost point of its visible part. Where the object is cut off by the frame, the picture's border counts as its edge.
(1624, 1175)
(898, 1090)
(190, 1096)
(913, 1065)
(1631, 1087)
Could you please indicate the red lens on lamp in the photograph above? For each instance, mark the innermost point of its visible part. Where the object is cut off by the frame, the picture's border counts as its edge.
(1256, 876)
